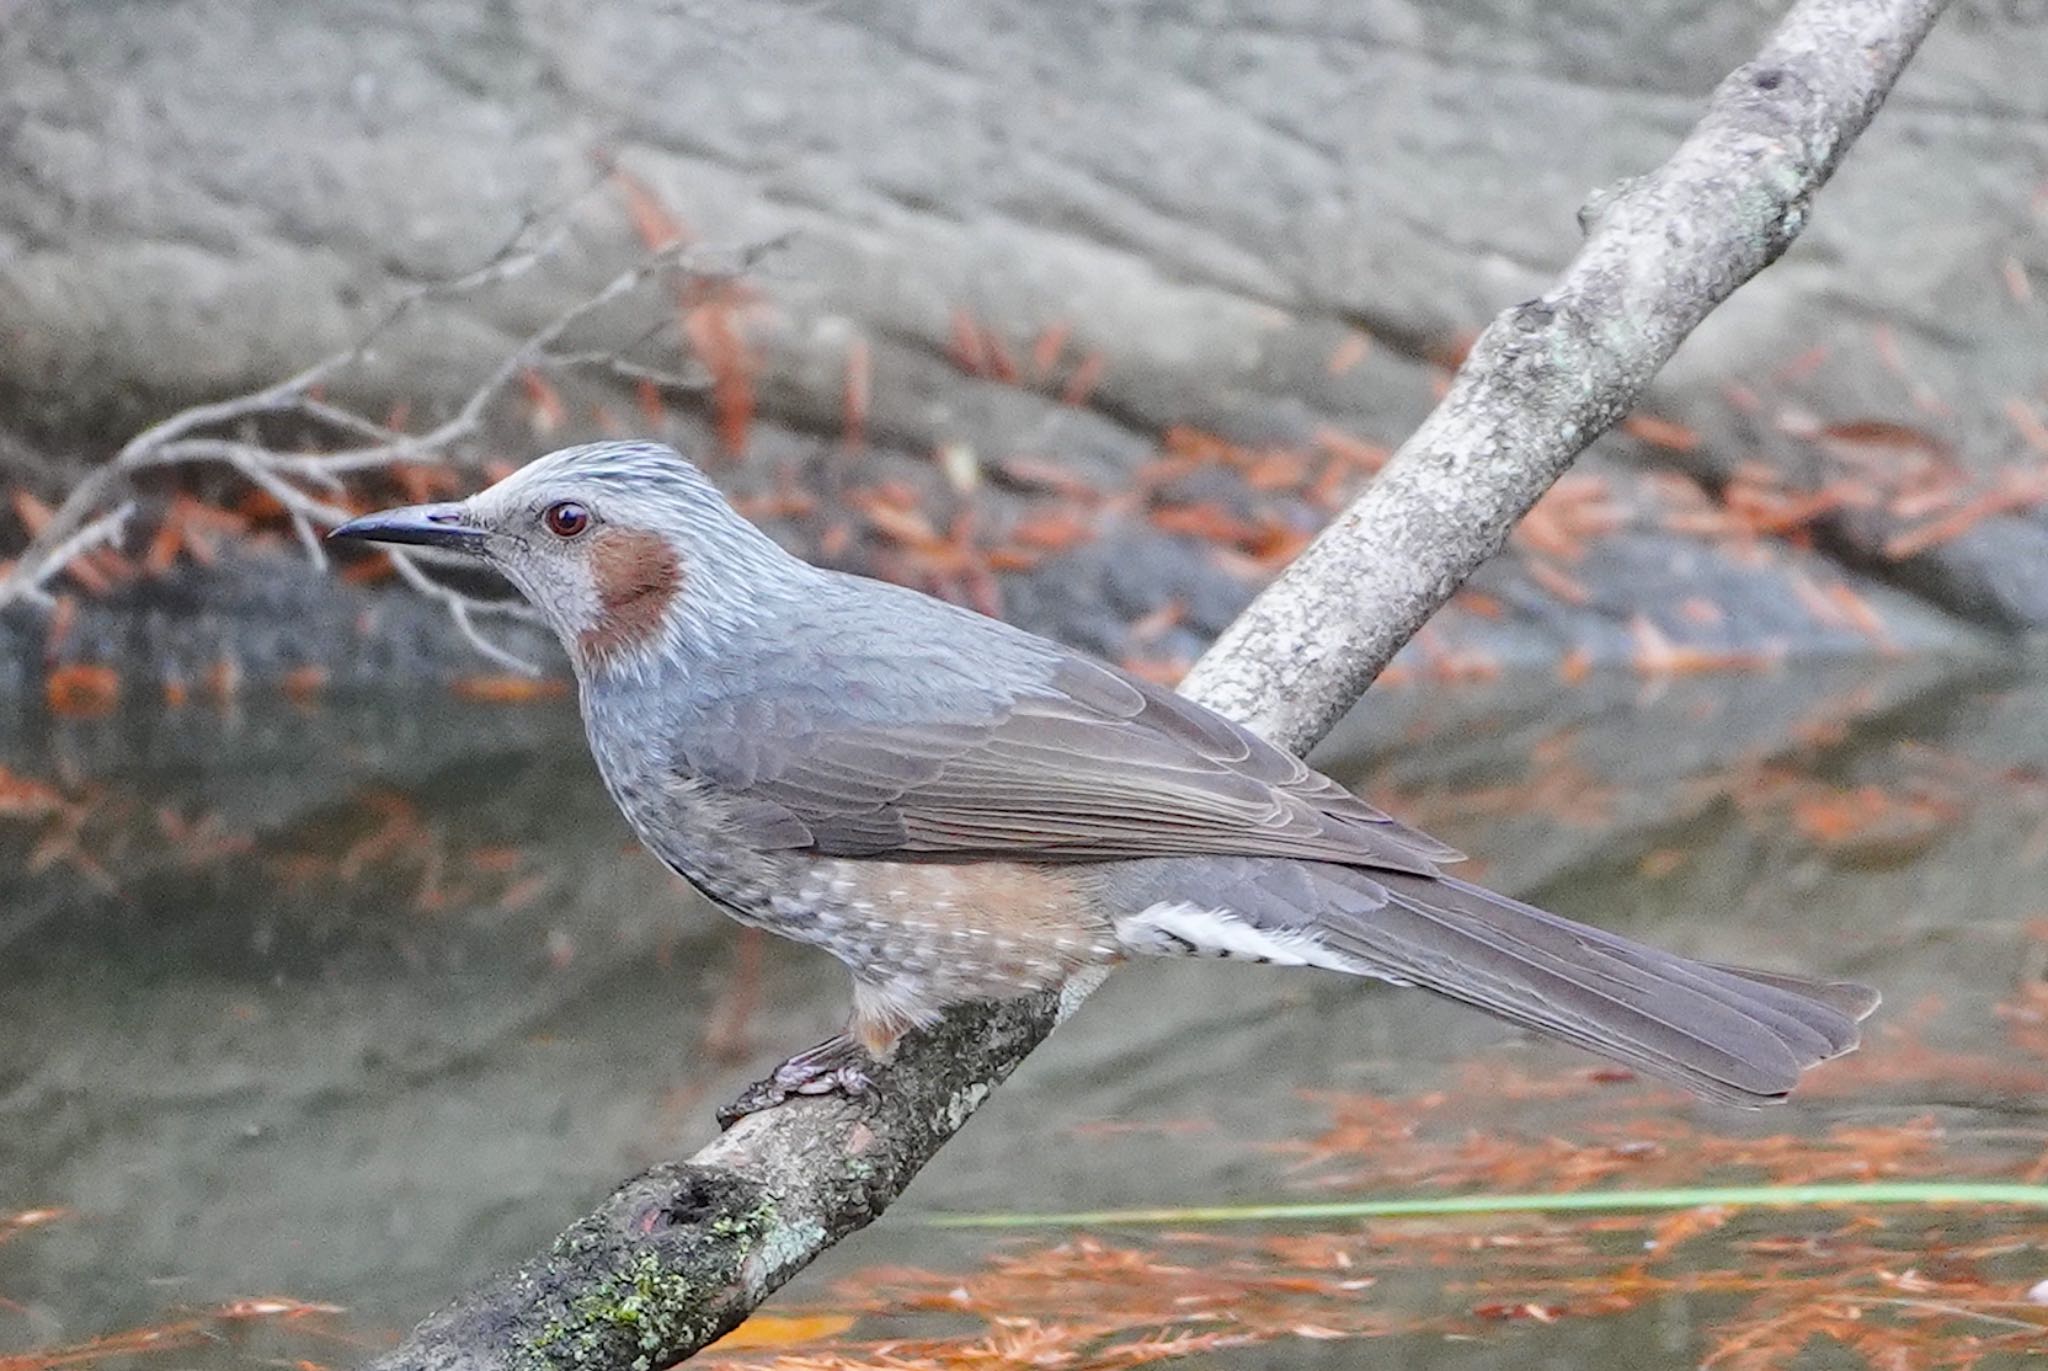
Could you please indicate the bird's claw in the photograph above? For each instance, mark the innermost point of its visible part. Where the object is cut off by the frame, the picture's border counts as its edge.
(836, 1067)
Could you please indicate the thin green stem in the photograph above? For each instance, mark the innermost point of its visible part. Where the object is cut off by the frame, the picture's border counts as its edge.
(1929, 1193)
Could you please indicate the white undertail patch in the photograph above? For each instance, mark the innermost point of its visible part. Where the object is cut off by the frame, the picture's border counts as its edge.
(1186, 930)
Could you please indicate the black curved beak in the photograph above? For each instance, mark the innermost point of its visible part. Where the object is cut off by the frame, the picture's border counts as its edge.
(420, 525)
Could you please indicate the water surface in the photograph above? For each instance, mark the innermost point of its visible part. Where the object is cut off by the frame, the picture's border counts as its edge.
(350, 1005)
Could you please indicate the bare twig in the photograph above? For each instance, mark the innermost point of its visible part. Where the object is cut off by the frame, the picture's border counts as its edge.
(464, 609)
(192, 436)
(105, 529)
(614, 365)
(695, 261)
(682, 1253)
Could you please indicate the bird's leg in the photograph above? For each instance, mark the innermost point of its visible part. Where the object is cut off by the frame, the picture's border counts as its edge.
(837, 1065)
(841, 1063)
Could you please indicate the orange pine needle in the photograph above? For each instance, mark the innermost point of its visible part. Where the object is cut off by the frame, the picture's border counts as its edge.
(303, 685)
(224, 680)
(63, 618)
(856, 394)
(546, 412)
(2015, 491)
(1657, 656)
(33, 513)
(968, 347)
(647, 398)
(1041, 474)
(1053, 531)
(22, 798)
(2017, 283)
(1557, 581)
(1668, 434)
(506, 689)
(1001, 365)
(713, 329)
(1802, 366)
(2031, 428)
(1349, 352)
(657, 227)
(80, 691)
(1366, 457)
(1080, 386)
(1045, 352)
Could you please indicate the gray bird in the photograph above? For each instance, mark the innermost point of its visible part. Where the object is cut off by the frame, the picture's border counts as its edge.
(959, 810)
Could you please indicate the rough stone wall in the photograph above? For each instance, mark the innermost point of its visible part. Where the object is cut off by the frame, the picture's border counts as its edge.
(1209, 207)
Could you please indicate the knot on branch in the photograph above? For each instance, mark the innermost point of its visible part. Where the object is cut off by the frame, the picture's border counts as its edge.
(1602, 202)
(1775, 90)
(692, 1194)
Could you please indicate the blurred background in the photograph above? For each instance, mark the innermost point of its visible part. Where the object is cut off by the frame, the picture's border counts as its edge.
(330, 981)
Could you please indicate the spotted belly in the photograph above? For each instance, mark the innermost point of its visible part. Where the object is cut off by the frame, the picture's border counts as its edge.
(947, 932)
(925, 934)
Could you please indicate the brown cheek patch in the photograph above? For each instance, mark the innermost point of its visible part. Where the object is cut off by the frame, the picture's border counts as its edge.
(636, 575)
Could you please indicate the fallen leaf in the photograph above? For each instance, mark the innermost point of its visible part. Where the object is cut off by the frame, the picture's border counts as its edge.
(783, 1330)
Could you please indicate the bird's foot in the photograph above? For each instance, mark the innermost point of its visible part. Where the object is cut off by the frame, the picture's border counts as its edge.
(839, 1065)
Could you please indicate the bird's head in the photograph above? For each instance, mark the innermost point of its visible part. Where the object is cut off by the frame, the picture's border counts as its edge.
(625, 549)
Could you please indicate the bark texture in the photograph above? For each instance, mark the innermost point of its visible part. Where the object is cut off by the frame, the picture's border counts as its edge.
(680, 1254)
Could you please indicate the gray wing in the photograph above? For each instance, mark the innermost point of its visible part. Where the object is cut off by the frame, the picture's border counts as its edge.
(1090, 764)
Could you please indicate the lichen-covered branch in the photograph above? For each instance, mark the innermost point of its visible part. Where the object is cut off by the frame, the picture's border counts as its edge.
(682, 1253)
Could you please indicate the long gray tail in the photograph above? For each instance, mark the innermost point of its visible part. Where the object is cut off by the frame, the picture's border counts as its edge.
(1729, 1033)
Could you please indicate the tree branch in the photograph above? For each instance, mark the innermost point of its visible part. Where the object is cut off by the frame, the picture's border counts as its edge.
(682, 1253)
(191, 436)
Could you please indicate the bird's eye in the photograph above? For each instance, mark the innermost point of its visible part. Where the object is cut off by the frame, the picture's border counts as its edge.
(566, 518)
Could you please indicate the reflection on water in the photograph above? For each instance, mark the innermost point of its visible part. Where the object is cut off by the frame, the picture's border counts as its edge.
(348, 1007)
